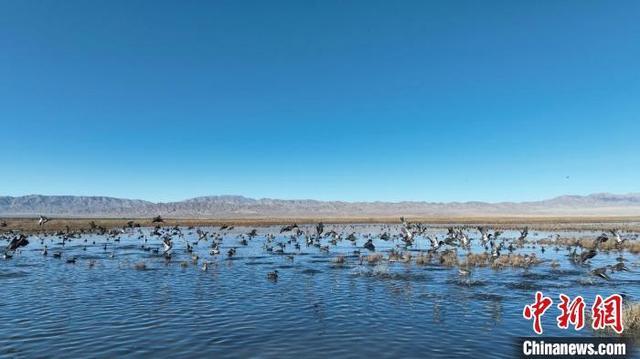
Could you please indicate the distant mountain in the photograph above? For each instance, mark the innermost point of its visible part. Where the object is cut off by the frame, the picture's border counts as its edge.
(242, 207)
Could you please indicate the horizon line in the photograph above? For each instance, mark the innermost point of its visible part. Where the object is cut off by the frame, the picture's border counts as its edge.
(317, 200)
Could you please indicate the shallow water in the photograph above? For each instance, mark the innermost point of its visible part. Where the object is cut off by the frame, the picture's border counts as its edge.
(315, 308)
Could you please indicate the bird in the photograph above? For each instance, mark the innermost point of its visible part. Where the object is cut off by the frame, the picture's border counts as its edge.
(586, 255)
(435, 244)
(319, 228)
(157, 219)
(168, 245)
(273, 275)
(370, 246)
(407, 236)
(485, 235)
(601, 239)
(619, 267)
(463, 238)
(288, 228)
(616, 236)
(202, 236)
(495, 252)
(17, 242)
(600, 272)
(523, 234)
(464, 272)
(43, 220)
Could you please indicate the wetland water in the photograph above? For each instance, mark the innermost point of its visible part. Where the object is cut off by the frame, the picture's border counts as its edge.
(102, 306)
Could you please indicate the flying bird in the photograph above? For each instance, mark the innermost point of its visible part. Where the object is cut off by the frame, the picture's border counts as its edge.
(288, 228)
(370, 246)
(43, 220)
(17, 242)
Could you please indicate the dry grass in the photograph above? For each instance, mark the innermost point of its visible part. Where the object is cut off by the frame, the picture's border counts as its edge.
(549, 223)
(449, 258)
(631, 319)
(394, 255)
(477, 260)
(515, 261)
(424, 259)
(374, 258)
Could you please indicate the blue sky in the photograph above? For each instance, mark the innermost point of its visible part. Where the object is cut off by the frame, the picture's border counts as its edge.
(330, 100)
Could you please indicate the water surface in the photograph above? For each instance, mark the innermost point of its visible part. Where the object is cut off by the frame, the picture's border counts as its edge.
(315, 308)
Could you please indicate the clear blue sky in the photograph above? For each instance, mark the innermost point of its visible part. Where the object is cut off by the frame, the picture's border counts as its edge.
(349, 100)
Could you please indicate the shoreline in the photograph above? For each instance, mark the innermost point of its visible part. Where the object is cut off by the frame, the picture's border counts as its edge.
(550, 223)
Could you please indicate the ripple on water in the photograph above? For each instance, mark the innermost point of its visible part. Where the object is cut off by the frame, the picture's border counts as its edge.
(25, 265)
(340, 266)
(286, 266)
(539, 276)
(567, 272)
(467, 282)
(259, 263)
(321, 260)
(13, 274)
(395, 276)
(310, 271)
(487, 297)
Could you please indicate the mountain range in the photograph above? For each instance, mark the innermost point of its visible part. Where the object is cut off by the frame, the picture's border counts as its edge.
(599, 204)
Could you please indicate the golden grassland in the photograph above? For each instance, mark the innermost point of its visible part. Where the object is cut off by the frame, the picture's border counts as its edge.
(501, 223)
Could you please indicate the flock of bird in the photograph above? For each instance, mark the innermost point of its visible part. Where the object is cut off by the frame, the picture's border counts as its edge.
(160, 241)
